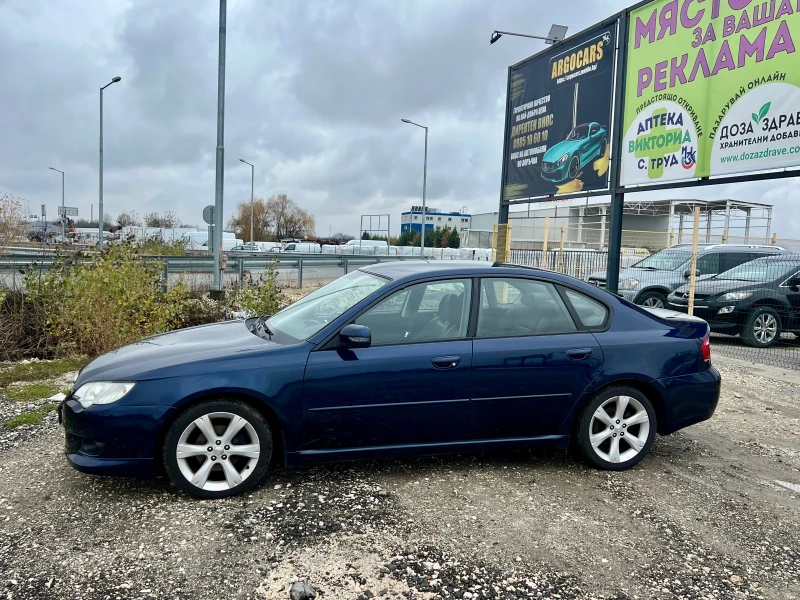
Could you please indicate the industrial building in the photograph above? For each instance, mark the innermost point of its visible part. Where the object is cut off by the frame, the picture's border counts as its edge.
(651, 224)
(434, 218)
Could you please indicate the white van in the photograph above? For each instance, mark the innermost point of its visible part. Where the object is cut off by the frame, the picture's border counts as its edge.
(305, 247)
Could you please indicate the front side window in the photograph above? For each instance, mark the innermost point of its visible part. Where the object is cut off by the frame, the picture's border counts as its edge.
(303, 319)
(708, 264)
(426, 312)
(520, 307)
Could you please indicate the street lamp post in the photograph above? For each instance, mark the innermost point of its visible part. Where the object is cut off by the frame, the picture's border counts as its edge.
(252, 212)
(63, 210)
(557, 34)
(100, 203)
(424, 183)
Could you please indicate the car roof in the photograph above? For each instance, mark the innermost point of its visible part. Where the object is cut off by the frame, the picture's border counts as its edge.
(728, 247)
(419, 269)
(786, 257)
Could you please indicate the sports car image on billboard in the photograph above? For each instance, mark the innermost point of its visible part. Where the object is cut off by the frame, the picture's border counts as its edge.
(565, 160)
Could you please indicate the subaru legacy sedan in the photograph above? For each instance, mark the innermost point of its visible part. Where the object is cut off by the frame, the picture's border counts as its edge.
(395, 359)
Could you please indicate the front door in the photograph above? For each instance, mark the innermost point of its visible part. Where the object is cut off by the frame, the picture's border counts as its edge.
(531, 362)
(410, 387)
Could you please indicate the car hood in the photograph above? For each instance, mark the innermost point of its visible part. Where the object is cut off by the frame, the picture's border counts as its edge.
(561, 148)
(142, 359)
(712, 287)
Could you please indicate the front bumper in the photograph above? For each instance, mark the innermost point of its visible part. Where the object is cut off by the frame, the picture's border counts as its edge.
(112, 439)
(710, 313)
(558, 175)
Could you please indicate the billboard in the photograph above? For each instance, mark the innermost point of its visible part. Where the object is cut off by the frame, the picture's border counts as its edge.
(711, 88)
(558, 118)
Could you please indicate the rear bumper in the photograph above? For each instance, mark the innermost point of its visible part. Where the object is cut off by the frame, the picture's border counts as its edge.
(688, 399)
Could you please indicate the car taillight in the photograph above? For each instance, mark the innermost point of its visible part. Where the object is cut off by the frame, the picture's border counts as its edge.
(705, 348)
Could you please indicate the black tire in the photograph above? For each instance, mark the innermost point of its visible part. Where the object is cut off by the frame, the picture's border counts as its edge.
(652, 299)
(644, 437)
(574, 167)
(753, 331)
(256, 471)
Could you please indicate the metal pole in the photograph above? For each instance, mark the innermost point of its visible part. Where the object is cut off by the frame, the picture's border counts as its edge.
(502, 214)
(63, 212)
(617, 197)
(100, 205)
(424, 186)
(218, 187)
(693, 270)
(252, 208)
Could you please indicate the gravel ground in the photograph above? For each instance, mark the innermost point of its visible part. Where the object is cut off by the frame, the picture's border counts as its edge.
(703, 517)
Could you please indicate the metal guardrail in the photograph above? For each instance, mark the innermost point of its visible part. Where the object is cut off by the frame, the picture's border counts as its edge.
(21, 261)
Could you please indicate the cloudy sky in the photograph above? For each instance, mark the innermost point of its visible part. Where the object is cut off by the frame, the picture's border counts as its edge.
(315, 93)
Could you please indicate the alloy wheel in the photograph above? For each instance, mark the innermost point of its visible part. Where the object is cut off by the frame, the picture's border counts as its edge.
(218, 451)
(653, 302)
(574, 168)
(619, 429)
(765, 328)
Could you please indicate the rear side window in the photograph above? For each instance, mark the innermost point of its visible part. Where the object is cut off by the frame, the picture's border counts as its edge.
(521, 307)
(592, 314)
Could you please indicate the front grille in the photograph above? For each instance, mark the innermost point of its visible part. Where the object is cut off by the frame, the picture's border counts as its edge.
(601, 283)
(548, 167)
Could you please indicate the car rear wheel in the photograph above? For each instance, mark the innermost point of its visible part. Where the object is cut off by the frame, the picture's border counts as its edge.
(616, 429)
(574, 167)
(603, 147)
(217, 449)
(652, 300)
(762, 328)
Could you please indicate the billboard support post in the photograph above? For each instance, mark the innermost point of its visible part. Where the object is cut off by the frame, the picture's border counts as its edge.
(617, 196)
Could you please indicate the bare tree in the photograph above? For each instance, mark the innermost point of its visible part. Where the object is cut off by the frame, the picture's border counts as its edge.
(288, 219)
(10, 218)
(168, 219)
(127, 218)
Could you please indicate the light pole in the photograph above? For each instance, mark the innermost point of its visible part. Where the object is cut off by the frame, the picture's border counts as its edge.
(252, 212)
(219, 181)
(63, 210)
(100, 203)
(557, 34)
(424, 184)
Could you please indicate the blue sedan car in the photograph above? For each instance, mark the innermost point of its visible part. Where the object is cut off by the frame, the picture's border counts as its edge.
(395, 359)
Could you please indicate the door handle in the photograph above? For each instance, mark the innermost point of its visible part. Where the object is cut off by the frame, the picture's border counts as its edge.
(446, 362)
(579, 353)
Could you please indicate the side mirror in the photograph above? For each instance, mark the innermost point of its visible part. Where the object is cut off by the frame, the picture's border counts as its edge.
(688, 273)
(794, 284)
(355, 336)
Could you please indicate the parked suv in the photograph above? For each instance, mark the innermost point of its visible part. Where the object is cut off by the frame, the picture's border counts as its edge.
(758, 300)
(650, 281)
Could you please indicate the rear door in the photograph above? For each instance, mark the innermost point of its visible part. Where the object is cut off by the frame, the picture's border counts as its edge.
(531, 361)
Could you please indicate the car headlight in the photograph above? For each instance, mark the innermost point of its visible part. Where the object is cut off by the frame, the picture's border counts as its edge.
(735, 296)
(101, 392)
(628, 284)
(563, 159)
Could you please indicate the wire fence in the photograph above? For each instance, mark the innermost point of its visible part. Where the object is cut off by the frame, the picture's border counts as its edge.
(747, 289)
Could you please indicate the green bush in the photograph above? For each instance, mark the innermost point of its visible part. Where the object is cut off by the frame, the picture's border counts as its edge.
(259, 297)
(111, 301)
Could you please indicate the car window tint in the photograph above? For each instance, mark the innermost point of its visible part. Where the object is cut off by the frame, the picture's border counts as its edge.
(591, 312)
(708, 264)
(424, 312)
(525, 307)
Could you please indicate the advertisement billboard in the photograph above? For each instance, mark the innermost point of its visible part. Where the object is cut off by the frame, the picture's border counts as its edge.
(558, 121)
(711, 89)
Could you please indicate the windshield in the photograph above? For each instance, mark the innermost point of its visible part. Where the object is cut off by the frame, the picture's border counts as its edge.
(757, 270)
(303, 319)
(581, 132)
(668, 260)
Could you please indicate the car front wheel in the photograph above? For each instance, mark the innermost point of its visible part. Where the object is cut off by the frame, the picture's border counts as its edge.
(762, 328)
(616, 429)
(217, 449)
(574, 167)
(652, 300)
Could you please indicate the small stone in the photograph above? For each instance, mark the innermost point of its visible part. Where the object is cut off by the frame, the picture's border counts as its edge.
(302, 591)
(736, 580)
(467, 596)
(736, 395)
